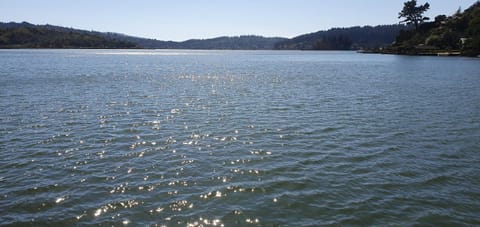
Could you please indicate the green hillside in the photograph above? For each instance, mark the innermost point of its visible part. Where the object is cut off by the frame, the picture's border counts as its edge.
(44, 37)
(458, 34)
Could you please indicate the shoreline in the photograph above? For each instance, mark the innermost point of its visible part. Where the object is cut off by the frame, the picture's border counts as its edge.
(439, 53)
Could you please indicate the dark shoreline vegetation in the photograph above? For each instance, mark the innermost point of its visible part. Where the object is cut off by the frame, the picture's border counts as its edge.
(456, 35)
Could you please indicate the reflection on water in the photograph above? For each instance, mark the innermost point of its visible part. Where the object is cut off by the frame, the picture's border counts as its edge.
(222, 138)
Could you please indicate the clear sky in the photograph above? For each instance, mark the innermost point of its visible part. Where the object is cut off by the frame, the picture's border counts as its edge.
(185, 19)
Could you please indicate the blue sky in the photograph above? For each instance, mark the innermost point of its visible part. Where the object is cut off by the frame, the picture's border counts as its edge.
(185, 19)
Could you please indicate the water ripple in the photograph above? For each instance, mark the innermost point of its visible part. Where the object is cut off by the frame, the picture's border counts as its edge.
(225, 138)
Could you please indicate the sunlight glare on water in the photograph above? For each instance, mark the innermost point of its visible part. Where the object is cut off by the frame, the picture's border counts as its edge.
(234, 138)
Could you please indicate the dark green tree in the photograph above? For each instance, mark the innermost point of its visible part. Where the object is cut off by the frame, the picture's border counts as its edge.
(413, 14)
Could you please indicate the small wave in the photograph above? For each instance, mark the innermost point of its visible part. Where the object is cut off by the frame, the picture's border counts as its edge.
(330, 129)
(437, 180)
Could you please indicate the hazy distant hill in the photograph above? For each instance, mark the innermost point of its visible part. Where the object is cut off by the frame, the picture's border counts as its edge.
(142, 42)
(228, 43)
(344, 38)
(235, 43)
(25, 35)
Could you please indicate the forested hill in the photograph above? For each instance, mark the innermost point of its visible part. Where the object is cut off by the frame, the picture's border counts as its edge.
(344, 38)
(458, 34)
(25, 35)
(249, 42)
(245, 42)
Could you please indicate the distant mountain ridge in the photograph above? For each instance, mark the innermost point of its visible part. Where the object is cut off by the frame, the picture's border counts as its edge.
(236, 43)
(334, 39)
(246, 42)
(352, 38)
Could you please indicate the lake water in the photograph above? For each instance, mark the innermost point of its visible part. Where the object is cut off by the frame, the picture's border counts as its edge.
(177, 138)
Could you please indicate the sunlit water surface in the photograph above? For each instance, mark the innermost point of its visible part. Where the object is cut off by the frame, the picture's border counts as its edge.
(176, 138)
